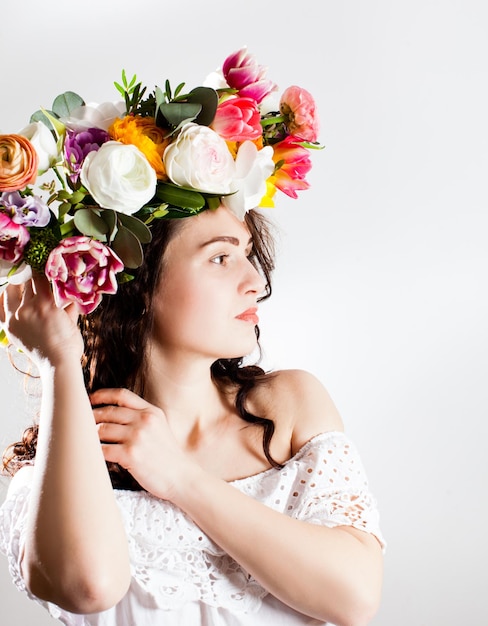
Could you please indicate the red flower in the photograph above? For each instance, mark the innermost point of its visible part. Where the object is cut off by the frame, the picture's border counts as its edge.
(293, 164)
(238, 119)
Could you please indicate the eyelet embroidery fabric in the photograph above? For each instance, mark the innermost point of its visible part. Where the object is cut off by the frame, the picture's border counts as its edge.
(174, 563)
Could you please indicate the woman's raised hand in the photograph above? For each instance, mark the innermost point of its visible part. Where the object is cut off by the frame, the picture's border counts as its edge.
(136, 435)
(35, 325)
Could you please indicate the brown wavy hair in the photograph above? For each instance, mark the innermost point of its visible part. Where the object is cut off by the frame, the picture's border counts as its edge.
(116, 333)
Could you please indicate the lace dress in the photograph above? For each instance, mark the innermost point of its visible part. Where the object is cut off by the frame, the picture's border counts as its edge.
(180, 577)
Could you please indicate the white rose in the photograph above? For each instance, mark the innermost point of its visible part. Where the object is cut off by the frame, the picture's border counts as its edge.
(199, 158)
(119, 177)
(93, 115)
(253, 168)
(44, 144)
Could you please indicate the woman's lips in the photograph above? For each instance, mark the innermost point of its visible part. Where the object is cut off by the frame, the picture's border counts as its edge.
(250, 315)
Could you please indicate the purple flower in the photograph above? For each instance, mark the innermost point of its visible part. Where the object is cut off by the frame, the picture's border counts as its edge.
(28, 210)
(80, 143)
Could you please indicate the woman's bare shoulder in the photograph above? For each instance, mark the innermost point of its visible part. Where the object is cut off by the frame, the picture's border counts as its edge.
(297, 402)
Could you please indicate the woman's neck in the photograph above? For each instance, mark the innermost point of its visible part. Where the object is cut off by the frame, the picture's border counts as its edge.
(184, 389)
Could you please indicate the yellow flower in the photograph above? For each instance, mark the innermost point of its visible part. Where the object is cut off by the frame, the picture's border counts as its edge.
(143, 133)
(267, 201)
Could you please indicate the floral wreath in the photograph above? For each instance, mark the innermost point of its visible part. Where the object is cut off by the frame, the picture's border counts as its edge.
(105, 171)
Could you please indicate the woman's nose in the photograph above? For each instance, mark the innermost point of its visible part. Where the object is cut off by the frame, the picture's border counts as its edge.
(253, 280)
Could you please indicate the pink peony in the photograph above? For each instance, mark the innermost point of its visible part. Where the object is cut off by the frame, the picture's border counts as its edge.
(242, 73)
(294, 164)
(298, 106)
(81, 270)
(13, 239)
(238, 119)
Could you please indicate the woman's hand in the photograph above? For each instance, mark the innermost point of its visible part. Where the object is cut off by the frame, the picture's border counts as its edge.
(35, 325)
(136, 435)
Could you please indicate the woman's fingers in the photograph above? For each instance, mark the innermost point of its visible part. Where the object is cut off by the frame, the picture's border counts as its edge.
(119, 397)
(112, 414)
(112, 433)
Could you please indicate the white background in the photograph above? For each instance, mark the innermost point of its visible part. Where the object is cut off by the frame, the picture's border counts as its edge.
(383, 266)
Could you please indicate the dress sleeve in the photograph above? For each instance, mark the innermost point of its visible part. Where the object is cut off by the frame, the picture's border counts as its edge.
(13, 520)
(331, 487)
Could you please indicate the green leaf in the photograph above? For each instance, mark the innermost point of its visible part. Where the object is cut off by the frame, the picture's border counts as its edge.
(89, 223)
(124, 277)
(40, 116)
(180, 196)
(209, 100)
(138, 228)
(128, 247)
(213, 202)
(177, 112)
(66, 102)
(160, 97)
(110, 218)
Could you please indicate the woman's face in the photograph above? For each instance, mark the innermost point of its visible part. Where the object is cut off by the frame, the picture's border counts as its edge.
(206, 302)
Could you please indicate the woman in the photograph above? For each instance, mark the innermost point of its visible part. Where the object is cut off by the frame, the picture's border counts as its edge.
(232, 496)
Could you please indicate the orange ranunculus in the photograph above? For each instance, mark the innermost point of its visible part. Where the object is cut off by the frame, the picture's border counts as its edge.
(143, 133)
(18, 162)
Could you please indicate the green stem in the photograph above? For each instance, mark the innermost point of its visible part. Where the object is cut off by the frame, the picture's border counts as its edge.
(67, 228)
(273, 120)
(59, 177)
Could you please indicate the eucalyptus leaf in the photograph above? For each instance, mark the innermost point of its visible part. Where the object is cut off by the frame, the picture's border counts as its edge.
(110, 218)
(90, 224)
(140, 230)
(180, 197)
(128, 247)
(209, 100)
(40, 116)
(177, 112)
(66, 102)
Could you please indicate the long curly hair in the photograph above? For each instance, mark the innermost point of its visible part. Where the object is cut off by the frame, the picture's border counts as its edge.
(116, 333)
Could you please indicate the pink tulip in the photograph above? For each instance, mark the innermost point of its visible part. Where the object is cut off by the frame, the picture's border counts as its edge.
(81, 270)
(13, 239)
(294, 163)
(243, 74)
(238, 119)
(299, 107)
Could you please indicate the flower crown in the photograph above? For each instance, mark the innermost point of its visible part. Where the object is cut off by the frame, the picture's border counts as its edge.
(104, 172)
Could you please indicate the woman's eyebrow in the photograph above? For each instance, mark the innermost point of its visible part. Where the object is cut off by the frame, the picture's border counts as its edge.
(226, 238)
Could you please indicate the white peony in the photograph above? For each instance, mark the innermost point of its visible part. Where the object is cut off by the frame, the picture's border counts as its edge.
(253, 168)
(119, 177)
(199, 158)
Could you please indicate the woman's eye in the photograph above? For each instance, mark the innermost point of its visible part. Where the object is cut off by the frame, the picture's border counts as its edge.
(220, 259)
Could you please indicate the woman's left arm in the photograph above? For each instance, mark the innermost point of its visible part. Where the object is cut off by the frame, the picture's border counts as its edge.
(332, 574)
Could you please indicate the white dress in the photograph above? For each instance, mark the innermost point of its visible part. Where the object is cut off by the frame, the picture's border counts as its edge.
(180, 577)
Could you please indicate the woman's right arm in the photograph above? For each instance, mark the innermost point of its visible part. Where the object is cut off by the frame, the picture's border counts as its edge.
(76, 552)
